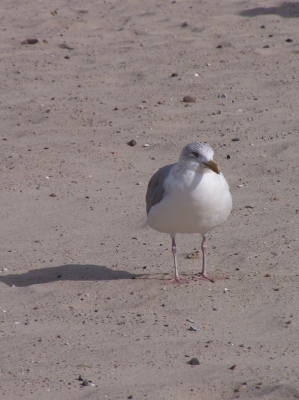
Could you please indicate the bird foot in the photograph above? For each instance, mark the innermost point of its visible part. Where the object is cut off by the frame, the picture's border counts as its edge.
(206, 278)
(178, 279)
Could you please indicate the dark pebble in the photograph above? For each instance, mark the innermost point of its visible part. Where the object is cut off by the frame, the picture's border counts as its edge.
(235, 140)
(219, 46)
(184, 24)
(263, 27)
(80, 378)
(266, 47)
(189, 99)
(132, 143)
(67, 57)
(228, 157)
(194, 361)
(66, 46)
(289, 40)
(130, 397)
(174, 74)
(30, 41)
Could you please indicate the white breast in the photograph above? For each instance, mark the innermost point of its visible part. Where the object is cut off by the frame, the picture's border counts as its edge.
(193, 203)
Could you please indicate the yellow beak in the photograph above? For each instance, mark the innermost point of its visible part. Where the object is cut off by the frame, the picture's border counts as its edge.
(212, 165)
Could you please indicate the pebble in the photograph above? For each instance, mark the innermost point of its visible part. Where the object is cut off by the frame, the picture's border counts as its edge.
(174, 74)
(228, 157)
(233, 367)
(193, 256)
(189, 99)
(146, 145)
(192, 328)
(194, 361)
(30, 41)
(235, 139)
(222, 96)
(289, 40)
(66, 46)
(219, 46)
(132, 143)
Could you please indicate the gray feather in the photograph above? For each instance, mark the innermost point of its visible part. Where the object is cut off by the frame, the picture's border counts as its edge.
(155, 190)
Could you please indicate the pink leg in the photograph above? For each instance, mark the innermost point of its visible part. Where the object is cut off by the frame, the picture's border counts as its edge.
(177, 278)
(203, 275)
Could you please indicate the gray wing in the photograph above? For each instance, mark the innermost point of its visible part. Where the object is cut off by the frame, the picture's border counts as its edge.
(155, 190)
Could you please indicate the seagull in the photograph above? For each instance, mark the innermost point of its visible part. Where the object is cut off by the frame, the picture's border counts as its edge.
(190, 196)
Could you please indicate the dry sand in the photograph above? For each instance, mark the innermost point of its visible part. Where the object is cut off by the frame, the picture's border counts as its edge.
(82, 278)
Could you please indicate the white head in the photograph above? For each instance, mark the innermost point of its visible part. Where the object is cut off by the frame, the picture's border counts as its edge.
(200, 153)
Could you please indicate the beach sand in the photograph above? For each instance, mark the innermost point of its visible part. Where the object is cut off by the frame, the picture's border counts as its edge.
(85, 309)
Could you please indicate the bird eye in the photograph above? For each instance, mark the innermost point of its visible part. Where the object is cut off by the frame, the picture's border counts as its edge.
(194, 153)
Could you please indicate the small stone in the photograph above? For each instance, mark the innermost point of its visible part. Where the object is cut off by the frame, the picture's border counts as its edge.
(189, 99)
(193, 256)
(266, 46)
(228, 157)
(241, 387)
(184, 24)
(130, 397)
(289, 40)
(192, 329)
(67, 57)
(219, 46)
(132, 143)
(146, 145)
(263, 27)
(53, 195)
(235, 140)
(222, 96)
(66, 46)
(233, 367)
(29, 41)
(174, 74)
(194, 361)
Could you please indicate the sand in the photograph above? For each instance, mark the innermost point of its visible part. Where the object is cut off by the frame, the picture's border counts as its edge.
(85, 311)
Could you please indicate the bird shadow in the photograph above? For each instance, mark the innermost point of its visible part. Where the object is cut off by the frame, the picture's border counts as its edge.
(285, 10)
(68, 272)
